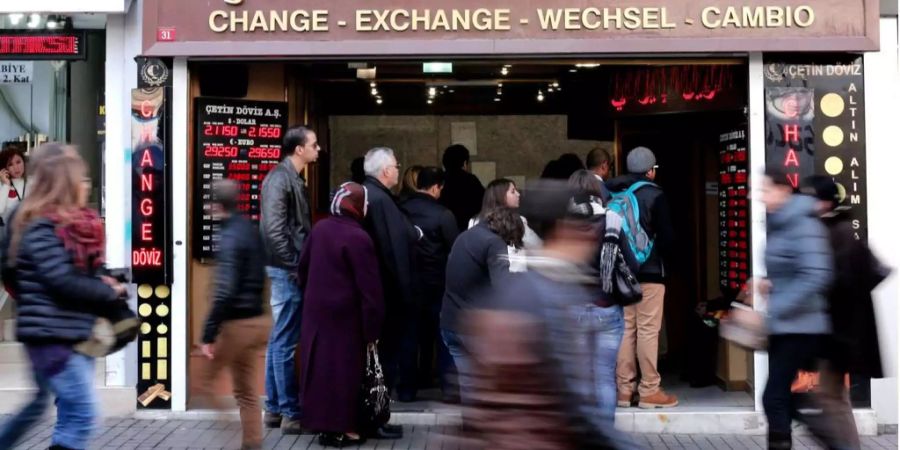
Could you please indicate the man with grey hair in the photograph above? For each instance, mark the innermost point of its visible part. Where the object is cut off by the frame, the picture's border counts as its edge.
(395, 238)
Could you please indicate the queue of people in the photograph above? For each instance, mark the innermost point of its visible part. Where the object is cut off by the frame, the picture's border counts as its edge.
(539, 310)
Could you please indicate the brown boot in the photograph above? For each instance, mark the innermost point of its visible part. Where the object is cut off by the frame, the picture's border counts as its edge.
(658, 400)
(272, 420)
(291, 427)
(625, 400)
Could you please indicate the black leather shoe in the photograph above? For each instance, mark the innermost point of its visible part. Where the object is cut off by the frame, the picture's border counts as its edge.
(339, 440)
(388, 432)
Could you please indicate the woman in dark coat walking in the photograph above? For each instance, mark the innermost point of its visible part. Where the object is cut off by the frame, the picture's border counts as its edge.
(343, 312)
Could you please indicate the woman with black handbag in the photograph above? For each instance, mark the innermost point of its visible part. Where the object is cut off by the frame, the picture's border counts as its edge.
(343, 312)
(53, 258)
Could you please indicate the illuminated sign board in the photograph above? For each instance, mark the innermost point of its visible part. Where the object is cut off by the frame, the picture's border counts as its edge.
(149, 231)
(734, 211)
(236, 139)
(815, 124)
(32, 45)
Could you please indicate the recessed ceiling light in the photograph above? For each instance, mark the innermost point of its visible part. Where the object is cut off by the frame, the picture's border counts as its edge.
(504, 71)
(379, 101)
(496, 99)
(373, 84)
(432, 91)
(374, 91)
(34, 21)
(430, 101)
(540, 96)
(587, 65)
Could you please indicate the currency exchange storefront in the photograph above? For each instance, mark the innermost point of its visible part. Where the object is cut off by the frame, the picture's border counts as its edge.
(720, 88)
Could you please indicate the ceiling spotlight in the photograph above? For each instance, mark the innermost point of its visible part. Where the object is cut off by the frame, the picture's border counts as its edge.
(499, 85)
(540, 96)
(374, 91)
(373, 84)
(504, 71)
(587, 65)
(499, 92)
(34, 20)
(379, 101)
(432, 91)
(430, 101)
(15, 18)
(555, 84)
(508, 66)
(452, 91)
(550, 89)
(573, 70)
(496, 99)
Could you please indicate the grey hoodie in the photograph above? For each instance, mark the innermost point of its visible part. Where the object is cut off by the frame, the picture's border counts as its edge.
(799, 265)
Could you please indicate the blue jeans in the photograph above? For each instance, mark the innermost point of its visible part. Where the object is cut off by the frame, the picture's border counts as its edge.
(460, 358)
(76, 406)
(605, 327)
(281, 374)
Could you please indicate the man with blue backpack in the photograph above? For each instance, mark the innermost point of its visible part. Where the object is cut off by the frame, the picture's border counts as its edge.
(647, 227)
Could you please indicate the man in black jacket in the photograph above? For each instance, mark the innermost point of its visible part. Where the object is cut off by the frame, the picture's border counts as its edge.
(462, 192)
(236, 329)
(439, 230)
(284, 225)
(643, 320)
(395, 238)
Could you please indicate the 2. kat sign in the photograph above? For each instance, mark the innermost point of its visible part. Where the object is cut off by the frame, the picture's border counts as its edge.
(149, 243)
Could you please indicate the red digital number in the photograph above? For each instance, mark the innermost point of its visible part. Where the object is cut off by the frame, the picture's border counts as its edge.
(218, 151)
(220, 130)
(263, 153)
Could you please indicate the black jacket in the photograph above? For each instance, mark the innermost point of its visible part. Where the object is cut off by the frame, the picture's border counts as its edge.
(439, 231)
(285, 220)
(239, 276)
(479, 260)
(55, 301)
(462, 195)
(856, 273)
(657, 222)
(395, 239)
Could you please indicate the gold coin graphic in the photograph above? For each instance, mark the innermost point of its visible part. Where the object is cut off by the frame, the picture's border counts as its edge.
(162, 329)
(834, 165)
(162, 310)
(145, 328)
(842, 192)
(145, 291)
(833, 136)
(145, 310)
(832, 105)
(162, 291)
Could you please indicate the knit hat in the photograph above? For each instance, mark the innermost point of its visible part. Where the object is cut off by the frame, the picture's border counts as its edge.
(351, 200)
(640, 160)
(822, 188)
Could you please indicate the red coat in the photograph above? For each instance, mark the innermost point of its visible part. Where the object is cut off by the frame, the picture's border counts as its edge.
(343, 310)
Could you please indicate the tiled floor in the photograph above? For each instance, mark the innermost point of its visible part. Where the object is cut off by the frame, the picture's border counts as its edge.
(176, 434)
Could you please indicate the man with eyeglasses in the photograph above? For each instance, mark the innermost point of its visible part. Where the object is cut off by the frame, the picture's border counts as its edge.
(643, 320)
(395, 238)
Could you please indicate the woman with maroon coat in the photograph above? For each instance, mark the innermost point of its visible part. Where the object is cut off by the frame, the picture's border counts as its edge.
(343, 312)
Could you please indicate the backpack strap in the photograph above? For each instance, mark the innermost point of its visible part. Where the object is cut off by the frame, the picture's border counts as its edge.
(634, 187)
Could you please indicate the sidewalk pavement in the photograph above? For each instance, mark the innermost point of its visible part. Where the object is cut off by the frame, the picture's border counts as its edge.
(181, 434)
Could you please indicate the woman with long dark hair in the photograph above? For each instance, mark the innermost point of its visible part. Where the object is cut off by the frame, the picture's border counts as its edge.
(478, 261)
(53, 261)
(503, 193)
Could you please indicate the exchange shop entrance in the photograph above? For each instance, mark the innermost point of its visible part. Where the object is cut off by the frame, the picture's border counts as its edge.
(517, 118)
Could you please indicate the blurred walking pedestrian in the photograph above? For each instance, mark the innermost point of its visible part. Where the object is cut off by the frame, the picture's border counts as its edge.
(853, 346)
(342, 313)
(531, 385)
(236, 330)
(53, 259)
(285, 222)
(799, 269)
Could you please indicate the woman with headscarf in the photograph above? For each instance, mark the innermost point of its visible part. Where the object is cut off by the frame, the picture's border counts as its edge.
(343, 312)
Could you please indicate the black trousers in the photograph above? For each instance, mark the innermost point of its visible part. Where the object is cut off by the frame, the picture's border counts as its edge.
(399, 350)
(788, 353)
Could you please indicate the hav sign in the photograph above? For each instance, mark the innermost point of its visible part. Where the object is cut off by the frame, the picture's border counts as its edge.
(16, 72)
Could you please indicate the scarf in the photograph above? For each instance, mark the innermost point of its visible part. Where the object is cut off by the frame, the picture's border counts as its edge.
(83, 237)
(610, 252)
(350, 200)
